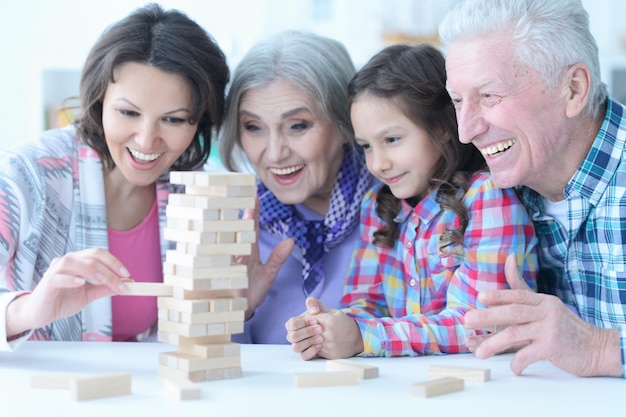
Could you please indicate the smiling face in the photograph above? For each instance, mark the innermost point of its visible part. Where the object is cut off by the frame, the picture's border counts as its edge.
(145, 118)
(397, 152)
(508, 113)
(295, 150)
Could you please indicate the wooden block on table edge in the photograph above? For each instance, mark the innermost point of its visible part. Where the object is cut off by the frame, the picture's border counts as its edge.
(362, 370)
(181, 389)
(100, 386)
(436, 387)
(463, 372)
(324, 379)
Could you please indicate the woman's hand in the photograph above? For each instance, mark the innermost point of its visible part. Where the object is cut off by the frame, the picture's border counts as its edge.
(261, 275)
(70, 283)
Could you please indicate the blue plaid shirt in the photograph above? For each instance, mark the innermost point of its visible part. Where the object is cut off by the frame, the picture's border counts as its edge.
(586, 267)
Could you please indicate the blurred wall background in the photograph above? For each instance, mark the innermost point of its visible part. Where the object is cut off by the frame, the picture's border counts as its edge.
(43, 43)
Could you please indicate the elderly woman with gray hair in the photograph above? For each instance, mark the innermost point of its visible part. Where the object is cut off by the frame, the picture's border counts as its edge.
(287, 119)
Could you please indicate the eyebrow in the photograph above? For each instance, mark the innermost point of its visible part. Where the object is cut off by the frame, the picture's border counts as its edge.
(284, 115)
(476, 86)
(130, 103)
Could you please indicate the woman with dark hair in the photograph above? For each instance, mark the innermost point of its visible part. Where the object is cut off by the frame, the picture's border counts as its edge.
(434, 232)
(83, 208)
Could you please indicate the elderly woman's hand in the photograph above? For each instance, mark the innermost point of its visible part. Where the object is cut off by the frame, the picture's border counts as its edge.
(261, 275)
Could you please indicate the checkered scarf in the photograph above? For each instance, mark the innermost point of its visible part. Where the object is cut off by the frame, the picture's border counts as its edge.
(316, 237)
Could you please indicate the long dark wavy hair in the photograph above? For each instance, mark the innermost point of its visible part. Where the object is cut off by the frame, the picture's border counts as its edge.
(169, 41)
(414, 79)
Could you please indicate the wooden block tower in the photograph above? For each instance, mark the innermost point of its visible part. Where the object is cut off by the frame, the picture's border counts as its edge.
(204, 309)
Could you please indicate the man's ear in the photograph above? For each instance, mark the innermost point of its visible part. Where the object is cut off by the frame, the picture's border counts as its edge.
(577, 89)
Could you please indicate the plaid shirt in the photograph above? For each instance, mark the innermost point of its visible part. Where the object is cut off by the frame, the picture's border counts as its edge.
(585, 264)
(411, 299)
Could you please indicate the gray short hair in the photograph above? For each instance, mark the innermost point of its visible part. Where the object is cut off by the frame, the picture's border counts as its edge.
(548, 35)
(320, 66)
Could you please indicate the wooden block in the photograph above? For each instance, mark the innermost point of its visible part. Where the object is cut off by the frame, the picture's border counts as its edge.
(182, 342)
(184, 294)
(324, 379)
(205, 178)
(181, 389)
(207, 202)
(198, 376)
(155, 289)
(198, 249)
(222, 190)
(204, 226)
(245, 237)
(230, 214)
(199, 284)
(190, 363)
(184, 306)
(194, 261)
(191, 213)
(362, 370)
(213, 317)
(211, 350)
(215, 305)
(462, 372)
(212, 272)
(208, 178)
(53, 381)
(436, 387)
(101, 386)
(188, 330)
(191, 236)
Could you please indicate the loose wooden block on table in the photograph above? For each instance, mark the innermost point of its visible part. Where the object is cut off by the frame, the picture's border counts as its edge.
(156, 289)
(100, 386)
(436, 387)
(465, 373)
(324, 379)
(362, 370)
(181, 389)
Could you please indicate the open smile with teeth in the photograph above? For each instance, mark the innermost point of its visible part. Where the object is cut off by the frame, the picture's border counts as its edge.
(286, 170)
(496, 149)
(147, 157)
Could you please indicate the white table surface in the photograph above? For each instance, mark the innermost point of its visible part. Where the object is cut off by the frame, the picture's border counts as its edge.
(267, 388)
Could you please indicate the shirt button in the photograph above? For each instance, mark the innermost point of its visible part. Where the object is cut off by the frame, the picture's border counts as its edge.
(412, 282)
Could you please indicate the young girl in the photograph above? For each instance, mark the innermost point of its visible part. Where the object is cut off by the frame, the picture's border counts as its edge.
(435, 231)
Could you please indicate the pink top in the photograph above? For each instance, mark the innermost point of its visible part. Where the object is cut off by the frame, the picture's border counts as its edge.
(139, 249)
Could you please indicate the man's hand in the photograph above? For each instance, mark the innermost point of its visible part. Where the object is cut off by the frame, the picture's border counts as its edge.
(542, 328)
